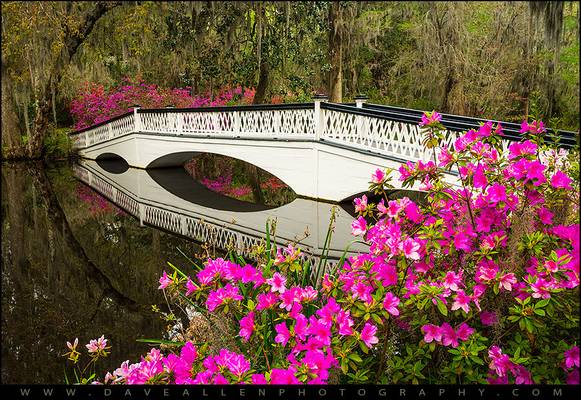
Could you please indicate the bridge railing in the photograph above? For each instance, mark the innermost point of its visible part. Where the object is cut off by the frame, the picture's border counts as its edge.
(393, 135)
(385, 130)
(106, 130)
(260, 120)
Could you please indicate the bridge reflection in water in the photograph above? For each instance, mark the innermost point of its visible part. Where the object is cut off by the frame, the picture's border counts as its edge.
(171, 200)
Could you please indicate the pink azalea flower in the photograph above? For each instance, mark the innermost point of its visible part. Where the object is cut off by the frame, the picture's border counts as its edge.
(462, 300)
(411, 249)
(521, 149)
(368, 335)
(496, 193)
(479, 179)
(95, 345)
(378, 176)
(430, 118)
(266, 300)
(499, 362)
(449, 336)
(345, 322)
(359, 226)
(535, 127)
(464, 331)
(572, 357)
(561, 180)
(283, 334)
(573, 377)
(361, 204)
(277, 283)
(393, 208)
(507, 280)
(191, 287)
(432, 333)
(445, 157)
(279, 257)
(453, 281)
(247, 326)
(488, 318)
(390, 303)
(545, 216)
(485, 130)
(413, 212)
(381, 208)
(283, 376)
(258, 379)
(222, 295)
(164, 281)
(522, 375)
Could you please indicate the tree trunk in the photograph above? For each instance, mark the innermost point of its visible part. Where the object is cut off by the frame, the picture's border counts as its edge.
(11, 131)
(72, 39)
(260, 94)
(53, 101)
(336, 52)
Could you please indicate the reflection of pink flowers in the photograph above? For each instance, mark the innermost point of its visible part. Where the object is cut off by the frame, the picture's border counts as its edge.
(98, 204)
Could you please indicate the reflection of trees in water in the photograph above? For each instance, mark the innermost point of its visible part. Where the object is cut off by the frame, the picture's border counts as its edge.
(239, 179)
(67, 273)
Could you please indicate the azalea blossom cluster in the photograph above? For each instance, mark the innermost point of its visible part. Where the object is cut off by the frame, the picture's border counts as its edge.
(95, 104)
(479, 282)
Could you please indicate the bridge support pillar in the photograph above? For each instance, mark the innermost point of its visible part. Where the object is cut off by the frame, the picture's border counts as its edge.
(360, 99)
(319, 117)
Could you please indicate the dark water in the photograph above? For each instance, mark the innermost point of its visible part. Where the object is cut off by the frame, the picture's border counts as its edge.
(74, 267)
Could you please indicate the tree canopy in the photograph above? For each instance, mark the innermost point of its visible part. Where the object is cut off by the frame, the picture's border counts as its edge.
(501, 60)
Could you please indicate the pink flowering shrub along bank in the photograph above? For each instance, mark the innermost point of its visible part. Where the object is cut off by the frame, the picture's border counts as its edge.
(94, 104)
(478, 284)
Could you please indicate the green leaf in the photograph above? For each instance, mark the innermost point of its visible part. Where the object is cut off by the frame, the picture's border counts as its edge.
(442, 307)
(542, 303)
(477, 360)
(355, 357)
(177, 270)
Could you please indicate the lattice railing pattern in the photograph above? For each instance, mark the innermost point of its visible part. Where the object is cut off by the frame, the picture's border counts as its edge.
(381, 135)
(103, 187)
(123, 126)
(104, 132)
(261, 122)
(128, 203)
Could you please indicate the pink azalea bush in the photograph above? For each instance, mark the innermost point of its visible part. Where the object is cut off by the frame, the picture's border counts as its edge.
(94, 104)
(479, 283)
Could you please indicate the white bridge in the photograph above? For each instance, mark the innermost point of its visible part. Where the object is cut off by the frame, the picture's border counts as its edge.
(143, 195)
(321, 150)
